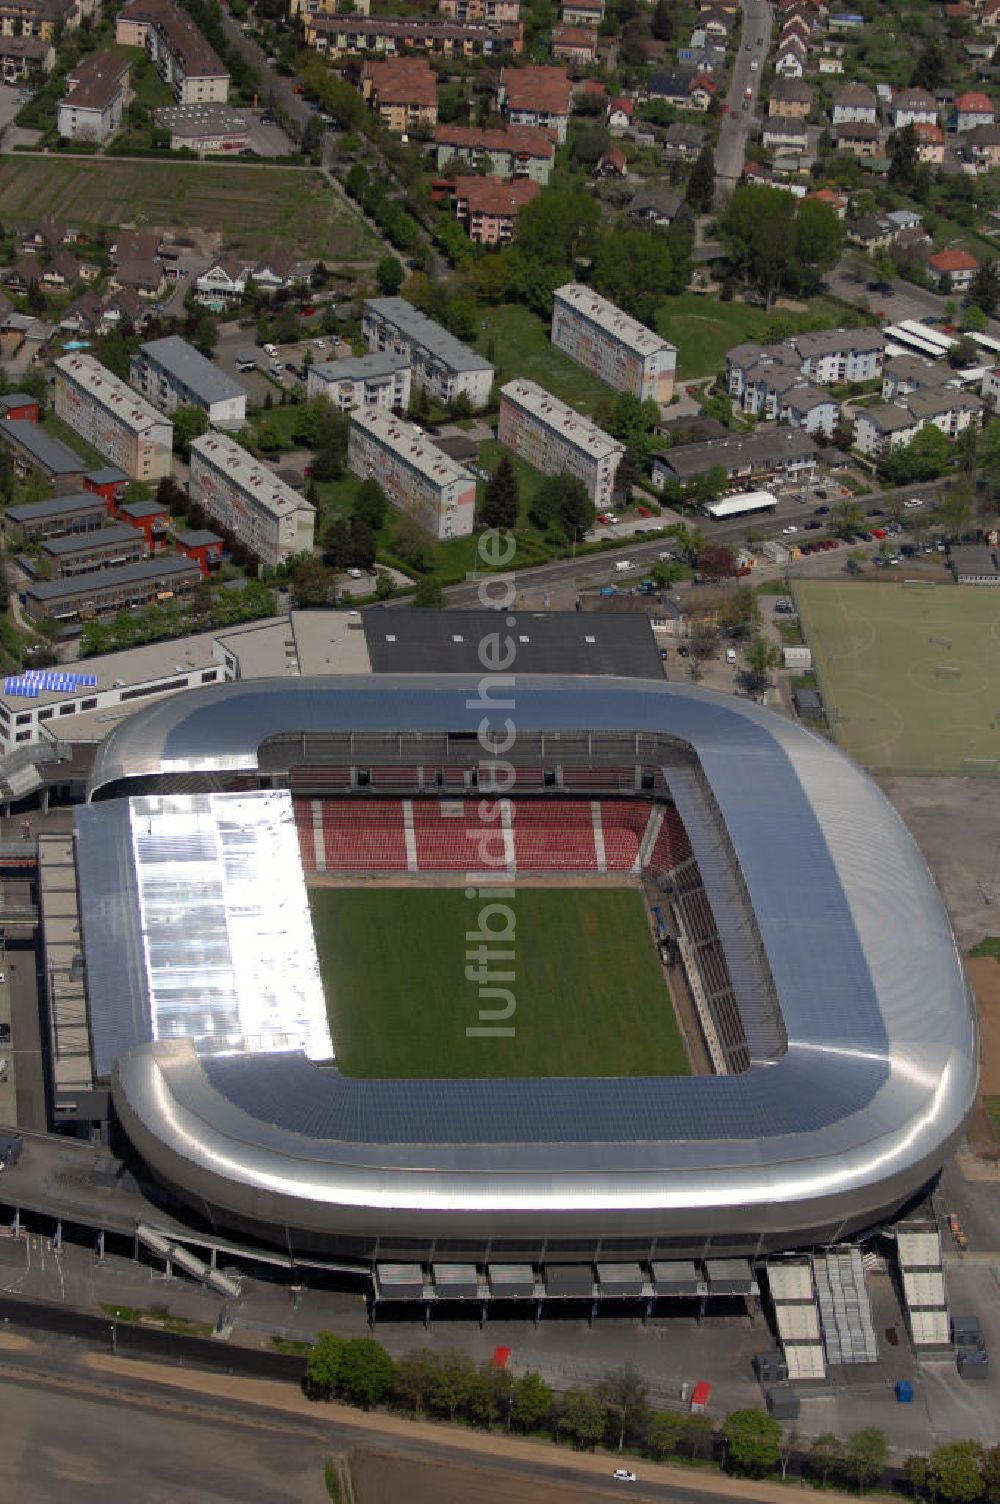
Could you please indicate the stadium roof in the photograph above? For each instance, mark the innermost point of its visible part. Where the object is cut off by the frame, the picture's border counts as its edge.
(873, 1090)
(564, 642)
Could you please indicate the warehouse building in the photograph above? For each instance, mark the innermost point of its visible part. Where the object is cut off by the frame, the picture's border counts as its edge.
(106, 412)
(83, 554)
(611, 345)
(380, 380)
(76, 512)
(248, 501)
(110, 590)
(551, 437)
(440, 364)
(174, 374)
(417, 477)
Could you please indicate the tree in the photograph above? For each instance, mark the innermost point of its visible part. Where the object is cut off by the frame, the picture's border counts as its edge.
(741, 613)
(703, 641)
(562, 505)
(690, 543)
(847, 517)
(916, 1471)
(819, 238)
(325, 1364)
(761, 657)
(365, 1372)
(991, 1475)
(955, 1472)
(700, 192)
(930, 67)
(984, 289)
(757, 231)
(189, 424)
(865, 1458)
(371, 503)
(955, 510)
(627, 474)
(384, 587)
(666, 572)
(390, 275)
(581, 1416)
(337, 542)
(974, 320)
(362, 541)
(663, 1434)
(638, 268)
(925, 457)
(752, 1442)
(531, 1402)
(501, 498)
(488, 1396)
(625, 1396)
(699, 1434)
(410, 1377)
(717, 562)
(411, 544)
(449, 1382)
(903, 156)
(558, 226)
(964, 352)
(428, 594)
(313, 583)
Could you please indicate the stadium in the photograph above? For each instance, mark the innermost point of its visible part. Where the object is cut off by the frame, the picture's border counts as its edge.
(518, 970)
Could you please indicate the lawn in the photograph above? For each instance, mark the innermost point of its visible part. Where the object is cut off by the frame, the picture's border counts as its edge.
(910, 674)
(252, 206)
(69, 436)
(589, 989)
(703, 328)
(521, 347)
(992, 1105)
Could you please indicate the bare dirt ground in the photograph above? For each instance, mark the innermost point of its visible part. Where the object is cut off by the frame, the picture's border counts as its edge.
(984, 974)
(379, 1476)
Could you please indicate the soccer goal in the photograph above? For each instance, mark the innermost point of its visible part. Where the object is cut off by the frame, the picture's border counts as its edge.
(947, 671)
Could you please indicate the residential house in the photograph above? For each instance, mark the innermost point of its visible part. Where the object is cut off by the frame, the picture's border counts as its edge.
(790, 97)
(701, 93)
(930, 143)
(520, 151)
(796, 26)
(881, 429)
(62, 271)
(25, 59)
(582, 13)
(853, 103)
(846, 21)
(683, 143)
(912, 107)
(948, 410)
(808, 407)
(656, 204)
(26, 272)
(671, 88)
(859, 137)
(831, 63)
(279, 269)
(97, 95)
(990, 390)
(471, 10)
(47, 235)
(909, 373)
(836, 201)
(402, 91)
(487, 208)
(83, 316)
(776, 452)
(574, 44)
(872, 232)
(955, 268)
(980, 55)
(359, 36)
(982, 147)
(143, 277)
(124, 307)
(621, 110)
(612, 163)
(135, 245)
(225, 281)
(790, 58)
(972, 109)
(989, 16)
(785, 133)
(536, 96)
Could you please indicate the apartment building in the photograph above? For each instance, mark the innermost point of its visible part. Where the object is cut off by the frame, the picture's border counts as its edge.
(582, 13)
(107, 548)
(107, 591)
(612, 346)
(487, 208)
(43, 19)
(480, 10)
(247, 500)
(308, 8)
(403, 93)
(536, 96)
(521, 151)
(97, 95)
(193, 69)
(882, 428)
(56, 517)
(439, 363)
(574, 44)
(380, 380)
(749, 460)
(357, 36)
(174, 374)
(121, 425)
(418, 478)
(551, 437)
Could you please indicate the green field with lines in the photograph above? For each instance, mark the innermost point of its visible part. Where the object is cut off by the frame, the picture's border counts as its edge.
(589, 993)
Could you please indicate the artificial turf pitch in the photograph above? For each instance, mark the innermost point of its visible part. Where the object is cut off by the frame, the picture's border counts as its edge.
(590, 998)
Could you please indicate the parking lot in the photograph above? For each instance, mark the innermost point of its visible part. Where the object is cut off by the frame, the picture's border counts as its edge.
(235, 339)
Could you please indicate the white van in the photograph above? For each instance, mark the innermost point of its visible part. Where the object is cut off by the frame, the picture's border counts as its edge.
(622, 566)
(730, 655)
(271, 350)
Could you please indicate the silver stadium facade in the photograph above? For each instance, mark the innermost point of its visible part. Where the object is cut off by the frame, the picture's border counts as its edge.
(859, 1033)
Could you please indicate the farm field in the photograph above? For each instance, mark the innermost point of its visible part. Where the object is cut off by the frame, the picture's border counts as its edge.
(249, 205)
(590, 995)
(910, 674)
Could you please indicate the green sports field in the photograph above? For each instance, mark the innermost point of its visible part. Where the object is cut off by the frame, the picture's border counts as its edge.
(590, 999)
(910, 675)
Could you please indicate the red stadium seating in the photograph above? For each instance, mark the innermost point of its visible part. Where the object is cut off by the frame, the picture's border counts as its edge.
(455, 836)
(623, 825)
(364, 836)
(307, 837)
(554, 836)
(671, 846)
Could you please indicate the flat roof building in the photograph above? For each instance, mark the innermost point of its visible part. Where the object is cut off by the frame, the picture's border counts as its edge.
(975, 564)
(248, 501)
(440, 364)
(772, 450)
(110, 590)
(379, 380)
(550, 436)
(204, 128)
(35, 449)
(106, 548)
(106, 412)
(417, 477)
(76, 512)
(174, 374)
(611, 345)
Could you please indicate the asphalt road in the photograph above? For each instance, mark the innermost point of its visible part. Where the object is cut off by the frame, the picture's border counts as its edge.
(905, 301)
(736, 125)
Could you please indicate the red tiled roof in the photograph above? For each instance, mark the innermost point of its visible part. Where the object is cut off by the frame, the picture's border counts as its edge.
(615, 157)
(532, 88)
(967, 104)
(627, 106)
(524, 140)
(574, 36)
(493, 196)
(953, 261)
(403, 80)
(927, 134)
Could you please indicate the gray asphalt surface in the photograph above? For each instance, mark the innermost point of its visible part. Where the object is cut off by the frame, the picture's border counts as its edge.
(736, 125)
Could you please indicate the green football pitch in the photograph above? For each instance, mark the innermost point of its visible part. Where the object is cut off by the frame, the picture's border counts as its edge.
(910, 674)
(589, 993)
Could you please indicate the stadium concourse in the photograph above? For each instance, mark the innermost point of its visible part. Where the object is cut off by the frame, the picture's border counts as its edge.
(774, 887)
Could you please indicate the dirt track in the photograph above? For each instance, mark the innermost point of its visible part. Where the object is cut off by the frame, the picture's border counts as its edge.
(984, 974)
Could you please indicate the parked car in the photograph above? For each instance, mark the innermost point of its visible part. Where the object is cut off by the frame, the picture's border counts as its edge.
(821, 511)
(624, 1475)
(812, 523)
(913, 503)
(791, 528)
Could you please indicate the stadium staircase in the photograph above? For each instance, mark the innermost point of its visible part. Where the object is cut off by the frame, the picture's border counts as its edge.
(921, 1267)
(797, 1316)
(844, 1308)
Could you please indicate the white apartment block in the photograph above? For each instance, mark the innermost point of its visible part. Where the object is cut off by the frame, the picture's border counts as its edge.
(417, 477)
(550, 436)
(122, 426)
(439, 363)
(174, 374)
(251, 503)
(611, 345)
(380, 380)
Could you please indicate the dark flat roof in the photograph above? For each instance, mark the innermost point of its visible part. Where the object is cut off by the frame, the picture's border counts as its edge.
(549, 642)
(52, 454)
(197, 537)
(104, 537)
(72, 505)
(108, 579)
(108, 476)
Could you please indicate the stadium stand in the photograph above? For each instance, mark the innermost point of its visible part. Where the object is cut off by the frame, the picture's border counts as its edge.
(374, 841)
